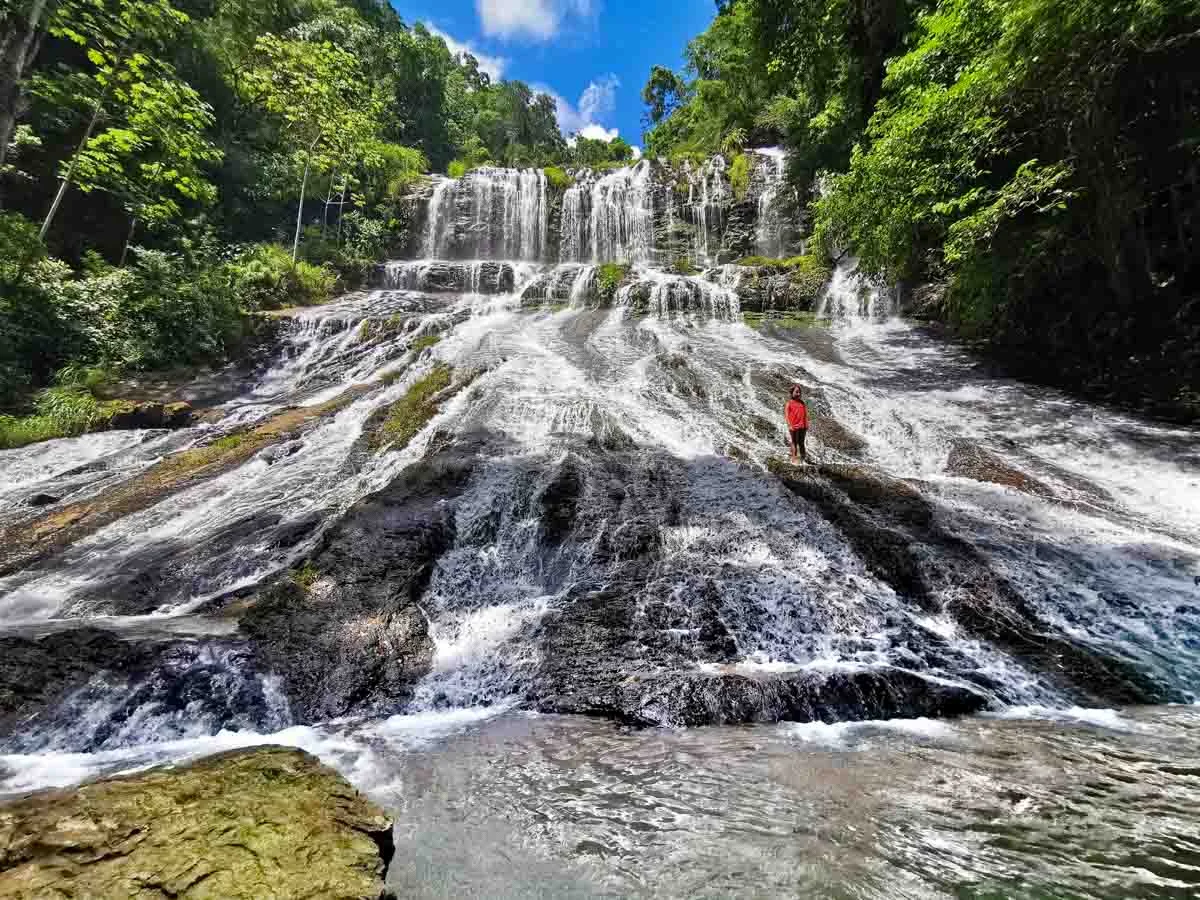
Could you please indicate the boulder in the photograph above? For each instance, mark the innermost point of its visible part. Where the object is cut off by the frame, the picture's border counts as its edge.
(346, 634)
(968, 460)
(270, 822)
(131, 415)
(39, 500)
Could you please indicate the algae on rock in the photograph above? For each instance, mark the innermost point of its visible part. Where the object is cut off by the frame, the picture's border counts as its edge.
(271, 822)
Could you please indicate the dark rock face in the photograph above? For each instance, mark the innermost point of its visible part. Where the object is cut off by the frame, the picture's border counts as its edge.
(267, 822)
(896, 532)
(355, 638)
(39, 500)
(149, 690)
(689, 698)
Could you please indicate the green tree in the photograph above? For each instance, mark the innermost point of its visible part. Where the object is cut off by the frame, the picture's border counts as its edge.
(329, 115)
(156, 157)
(117, 36)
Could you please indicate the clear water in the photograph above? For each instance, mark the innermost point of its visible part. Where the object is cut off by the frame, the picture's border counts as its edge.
(1069, 803)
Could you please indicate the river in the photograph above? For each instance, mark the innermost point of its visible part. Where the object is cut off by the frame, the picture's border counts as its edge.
(1098, 531)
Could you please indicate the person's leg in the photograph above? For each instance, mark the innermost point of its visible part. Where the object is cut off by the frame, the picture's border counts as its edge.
(792, 444)
(800, 438)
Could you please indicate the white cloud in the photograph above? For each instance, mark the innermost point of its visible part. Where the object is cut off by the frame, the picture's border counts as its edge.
(597, 102)
(599, 133)
(534, 19)
(599, 98)
(494, 66)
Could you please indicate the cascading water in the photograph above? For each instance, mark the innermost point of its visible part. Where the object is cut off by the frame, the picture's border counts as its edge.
(707, 190)
(850, 297)
(489, 214)
(590, 526)
(620, 219)
(769, 235)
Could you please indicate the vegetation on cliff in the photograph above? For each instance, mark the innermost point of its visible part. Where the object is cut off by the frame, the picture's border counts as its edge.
(1033, 161)
(169, 169)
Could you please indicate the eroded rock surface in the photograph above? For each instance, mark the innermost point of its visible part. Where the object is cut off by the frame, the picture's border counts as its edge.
(271, 822)
(897, 533)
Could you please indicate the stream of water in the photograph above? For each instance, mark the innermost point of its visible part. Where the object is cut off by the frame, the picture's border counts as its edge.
(1035, 799)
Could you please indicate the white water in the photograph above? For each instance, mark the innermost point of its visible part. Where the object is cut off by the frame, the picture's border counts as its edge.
(1109, 557)
(771, 225)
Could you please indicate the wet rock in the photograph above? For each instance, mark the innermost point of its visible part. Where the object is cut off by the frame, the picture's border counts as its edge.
(558, 504)
(683, 699)
(896, 532)
(835, 435)
(350, 635)
(968, 460)
(449, 277)
(35, 673)
(150, 415)
(38, 500)
(149, 688)
(270, 822)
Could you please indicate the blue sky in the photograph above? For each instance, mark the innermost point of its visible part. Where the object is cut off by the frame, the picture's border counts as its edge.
(592, 55)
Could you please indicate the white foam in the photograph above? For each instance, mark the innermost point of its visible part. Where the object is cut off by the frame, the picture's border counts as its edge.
(363, 752)
(857, 735)
(1100, 718)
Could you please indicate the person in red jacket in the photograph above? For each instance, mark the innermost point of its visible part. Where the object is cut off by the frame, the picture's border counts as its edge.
(796, 413)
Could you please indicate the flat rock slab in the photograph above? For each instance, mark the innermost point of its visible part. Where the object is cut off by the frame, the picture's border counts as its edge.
(270, 822)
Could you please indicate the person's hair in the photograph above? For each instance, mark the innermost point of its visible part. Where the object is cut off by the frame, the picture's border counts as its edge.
(797, 391)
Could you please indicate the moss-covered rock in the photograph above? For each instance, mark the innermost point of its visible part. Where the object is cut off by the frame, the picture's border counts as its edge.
(271, 822)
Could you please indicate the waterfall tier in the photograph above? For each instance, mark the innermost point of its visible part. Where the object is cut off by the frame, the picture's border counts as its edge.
(651, 214)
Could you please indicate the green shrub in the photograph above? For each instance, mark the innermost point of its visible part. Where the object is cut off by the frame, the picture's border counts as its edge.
(265, 278)
(457, 168)
(425, 342)
(62, 411)
(559, 180)
(739, 176)
(684, 267)
(608, 278)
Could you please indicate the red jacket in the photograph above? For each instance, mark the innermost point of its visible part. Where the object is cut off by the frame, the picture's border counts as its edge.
(797, 414)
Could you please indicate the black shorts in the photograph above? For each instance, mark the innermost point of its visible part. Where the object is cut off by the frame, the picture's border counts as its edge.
(798, 435)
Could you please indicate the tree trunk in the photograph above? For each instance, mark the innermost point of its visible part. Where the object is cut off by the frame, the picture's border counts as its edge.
(300, 215)
(342, 209)
(133, 224)
(325, 213)
(18, 48)
(65, 181)
(303, 188)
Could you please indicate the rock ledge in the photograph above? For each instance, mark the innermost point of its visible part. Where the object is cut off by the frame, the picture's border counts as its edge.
(271, 822)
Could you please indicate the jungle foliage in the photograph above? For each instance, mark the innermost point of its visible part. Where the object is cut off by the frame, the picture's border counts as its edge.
(1031, 164)
(168, 168)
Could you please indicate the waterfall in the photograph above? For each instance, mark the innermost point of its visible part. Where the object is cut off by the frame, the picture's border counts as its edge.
(852, 297)
(580, 284)
(769, 233)
(489, 213)
(441, 208)
(707, 191)
(574, 224)
(621, 219)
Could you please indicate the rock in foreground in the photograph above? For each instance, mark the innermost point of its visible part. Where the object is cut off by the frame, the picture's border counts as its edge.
(271, 822)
